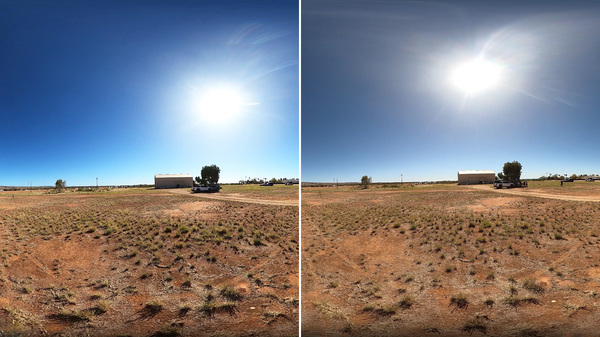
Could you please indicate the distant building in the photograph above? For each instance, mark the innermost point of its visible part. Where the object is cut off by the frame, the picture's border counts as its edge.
(472, 177)
(173, 181)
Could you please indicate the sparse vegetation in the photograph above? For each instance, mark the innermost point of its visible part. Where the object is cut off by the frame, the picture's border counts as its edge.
(230, 293)
(106, 250)
(479, 251)
(72, 315)
(475, 324)
(406, 302)
(460, 301)
(533, 286)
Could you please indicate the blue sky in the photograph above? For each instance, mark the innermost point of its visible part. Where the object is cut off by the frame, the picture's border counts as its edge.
(378, 100)
(118, 90)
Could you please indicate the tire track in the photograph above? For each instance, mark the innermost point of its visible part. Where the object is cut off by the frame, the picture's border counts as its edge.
(239, 199)
(513, 191)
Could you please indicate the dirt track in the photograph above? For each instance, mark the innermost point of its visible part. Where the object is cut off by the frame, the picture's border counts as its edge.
(236, 198)
(534, 193)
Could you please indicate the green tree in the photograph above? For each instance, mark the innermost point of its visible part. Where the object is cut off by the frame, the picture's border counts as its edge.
(365, 181)
(512, 171)
(210, 174)
(60, 185)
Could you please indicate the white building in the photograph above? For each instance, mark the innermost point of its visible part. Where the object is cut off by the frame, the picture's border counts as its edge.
(471, 177)
(173, 181)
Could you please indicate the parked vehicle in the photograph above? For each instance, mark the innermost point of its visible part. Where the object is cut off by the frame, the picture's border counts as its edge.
(518, 183)
(266, 183)
(501, 184)
(206, 189)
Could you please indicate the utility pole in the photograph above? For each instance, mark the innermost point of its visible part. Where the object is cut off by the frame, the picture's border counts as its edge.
(96, 182)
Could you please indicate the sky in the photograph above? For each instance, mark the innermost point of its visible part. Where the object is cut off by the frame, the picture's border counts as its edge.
(124, 90)
(382, 94)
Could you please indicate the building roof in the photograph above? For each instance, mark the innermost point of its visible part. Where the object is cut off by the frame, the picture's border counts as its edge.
(476, 172)
(172, 176)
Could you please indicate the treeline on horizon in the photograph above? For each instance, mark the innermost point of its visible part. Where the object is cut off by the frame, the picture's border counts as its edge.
(397, 183)
(272, 180)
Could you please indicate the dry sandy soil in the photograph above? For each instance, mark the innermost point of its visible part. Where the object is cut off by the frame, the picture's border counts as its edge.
(451, 261)
(148, 263)
(260, 199)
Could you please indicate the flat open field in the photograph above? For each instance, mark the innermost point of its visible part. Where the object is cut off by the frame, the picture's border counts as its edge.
(139, 262)
(447, 260)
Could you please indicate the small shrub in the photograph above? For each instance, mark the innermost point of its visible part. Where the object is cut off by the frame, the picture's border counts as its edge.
(146, 275)
(460, 301)
(531, 300)
(172, 330)
(383, 311)
(101, 308)
(406, 302)
(184, 310)
(230, 293)
(514, 301)
(95, 297)
(153, 307)
(475, 324)
(72, 315)
(533, 287)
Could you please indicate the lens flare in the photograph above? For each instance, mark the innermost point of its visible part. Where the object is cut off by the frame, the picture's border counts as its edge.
(476, 76)
(220, 104)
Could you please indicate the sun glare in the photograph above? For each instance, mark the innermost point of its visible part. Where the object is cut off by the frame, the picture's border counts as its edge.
(220, 104)
(476, 76)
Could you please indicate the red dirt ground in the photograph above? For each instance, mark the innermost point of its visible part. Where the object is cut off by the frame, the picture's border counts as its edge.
(52, 263)
(364, 252)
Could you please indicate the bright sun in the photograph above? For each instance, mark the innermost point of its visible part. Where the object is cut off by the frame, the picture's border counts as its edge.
(220, 104)
(476, 76)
